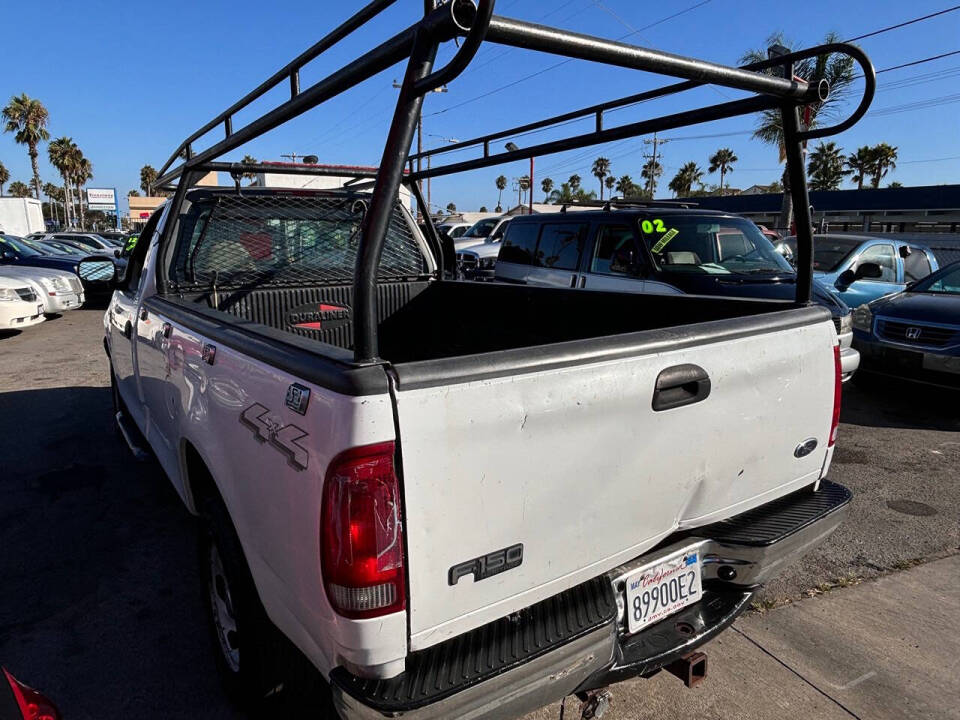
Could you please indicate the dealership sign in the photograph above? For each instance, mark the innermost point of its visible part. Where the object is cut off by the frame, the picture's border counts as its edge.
(102, 199)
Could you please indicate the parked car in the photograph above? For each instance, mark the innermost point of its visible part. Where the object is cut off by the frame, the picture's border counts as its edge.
(640, 413)
(93, 243)
(454, 229)
(20, 304)
(19, 701)
(59, 290)
(478, 262)
(61, 247)
(863, 268)
(14, 253)
(485, 230)
(116, 237)
(663, 250)
(914, 334)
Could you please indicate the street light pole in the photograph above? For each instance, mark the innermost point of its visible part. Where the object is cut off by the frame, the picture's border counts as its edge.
(441, 89)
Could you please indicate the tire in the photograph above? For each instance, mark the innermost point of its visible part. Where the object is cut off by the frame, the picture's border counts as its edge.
(262, 672)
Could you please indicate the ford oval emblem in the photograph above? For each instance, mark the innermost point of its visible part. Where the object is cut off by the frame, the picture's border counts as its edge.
(805, 448)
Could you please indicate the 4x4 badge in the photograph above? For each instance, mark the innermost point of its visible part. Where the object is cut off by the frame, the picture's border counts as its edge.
(282, 437)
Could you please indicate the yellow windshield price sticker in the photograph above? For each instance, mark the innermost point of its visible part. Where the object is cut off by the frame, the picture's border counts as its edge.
(667, 237)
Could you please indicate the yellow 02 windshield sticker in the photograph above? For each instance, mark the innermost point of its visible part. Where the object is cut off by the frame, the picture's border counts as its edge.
(662, 242)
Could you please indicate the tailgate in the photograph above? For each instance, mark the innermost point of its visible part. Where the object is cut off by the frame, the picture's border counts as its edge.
(573, 463)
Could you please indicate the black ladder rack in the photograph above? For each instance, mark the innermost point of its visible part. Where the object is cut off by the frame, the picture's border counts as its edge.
(772, 83)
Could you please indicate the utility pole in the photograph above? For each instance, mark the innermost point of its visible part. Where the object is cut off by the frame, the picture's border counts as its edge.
(652, 180)
(293, 156)
(441, 89)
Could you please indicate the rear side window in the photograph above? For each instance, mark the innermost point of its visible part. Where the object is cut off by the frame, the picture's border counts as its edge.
(915, 265)
(560, 245)
(238, 240)
(520, 244)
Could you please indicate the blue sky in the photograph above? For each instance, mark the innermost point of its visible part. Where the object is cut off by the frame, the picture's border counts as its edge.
(128, 86)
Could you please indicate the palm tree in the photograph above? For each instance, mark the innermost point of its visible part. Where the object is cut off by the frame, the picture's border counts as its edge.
(59, 152)
(547, 186)
(523, 184)
(600, 169)
(836, 70)
(4, 177)
(501, 186)
(19, 189)
(884, 159)
(610, 181)
(53, 195)
(27, 118)
(82, 172)
(651, 172)
(722, 160)
(574, 182)
(685, 178)
(249, 160)
(626, 187)
(148, 175)
(133, 193)
(860, 164)
(826, 167)
(564, 195)
(451, 208)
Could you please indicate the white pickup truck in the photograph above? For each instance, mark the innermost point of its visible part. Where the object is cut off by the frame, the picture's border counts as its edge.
(575, 488)
(406, 514)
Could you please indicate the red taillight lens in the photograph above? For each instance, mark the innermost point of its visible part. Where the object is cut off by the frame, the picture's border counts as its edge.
(837, 390)
(32, 705)
(361, 538)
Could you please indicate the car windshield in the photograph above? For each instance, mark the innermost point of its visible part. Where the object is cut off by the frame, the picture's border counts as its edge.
(711, 245)
(481, 228)
(63, 248)
(945, 281)
(16, 244)
(85, 240)
(830, 252)
(34, 245)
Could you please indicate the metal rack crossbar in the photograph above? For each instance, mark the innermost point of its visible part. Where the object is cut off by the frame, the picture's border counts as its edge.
(771, 82)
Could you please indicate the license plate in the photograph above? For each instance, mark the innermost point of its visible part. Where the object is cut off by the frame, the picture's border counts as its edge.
(660, 590)
(942, 363)
(39, 309)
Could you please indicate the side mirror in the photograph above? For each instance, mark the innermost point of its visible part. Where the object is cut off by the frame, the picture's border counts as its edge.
(97, 270)
(846, 279)
(870, 271)
(117, 252)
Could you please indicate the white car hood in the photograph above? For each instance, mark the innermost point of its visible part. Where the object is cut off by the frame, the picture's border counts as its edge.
(27, 272)
(483, 250)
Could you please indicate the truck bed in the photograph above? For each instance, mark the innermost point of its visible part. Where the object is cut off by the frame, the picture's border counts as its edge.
(440, 320)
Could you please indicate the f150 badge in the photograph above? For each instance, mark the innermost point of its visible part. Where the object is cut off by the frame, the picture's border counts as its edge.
(487, 565)
(318, 316)
(282, 437)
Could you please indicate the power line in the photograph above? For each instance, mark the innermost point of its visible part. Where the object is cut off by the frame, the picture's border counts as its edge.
(904, 24)
(563, 62)
(919, 62)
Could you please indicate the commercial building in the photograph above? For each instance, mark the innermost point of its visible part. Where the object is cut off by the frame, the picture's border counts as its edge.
(924, 209)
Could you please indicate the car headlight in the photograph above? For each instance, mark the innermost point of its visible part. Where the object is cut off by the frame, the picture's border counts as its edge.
(863, 318)
(8, 295)
(487, 263)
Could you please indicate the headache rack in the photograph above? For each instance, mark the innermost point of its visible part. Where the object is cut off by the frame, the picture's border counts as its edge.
(473, 24)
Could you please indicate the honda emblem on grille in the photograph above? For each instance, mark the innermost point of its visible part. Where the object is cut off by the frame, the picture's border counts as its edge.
(913, 333)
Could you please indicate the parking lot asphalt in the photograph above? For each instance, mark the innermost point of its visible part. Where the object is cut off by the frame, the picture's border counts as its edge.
(101, 605)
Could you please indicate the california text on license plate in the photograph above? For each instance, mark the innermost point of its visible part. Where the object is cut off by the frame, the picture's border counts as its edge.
(660, 590)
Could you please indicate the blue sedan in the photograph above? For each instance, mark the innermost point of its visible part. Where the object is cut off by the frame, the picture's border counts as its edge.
(914, 334)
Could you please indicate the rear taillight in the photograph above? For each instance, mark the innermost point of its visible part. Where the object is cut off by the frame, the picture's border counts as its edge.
(837, 390)
(361, 538)
(32, 705)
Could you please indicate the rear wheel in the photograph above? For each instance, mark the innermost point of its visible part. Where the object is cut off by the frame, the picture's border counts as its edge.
(262, 671)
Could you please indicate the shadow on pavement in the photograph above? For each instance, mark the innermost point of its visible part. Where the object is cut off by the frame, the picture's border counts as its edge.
(100, 603)
(892, 403)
